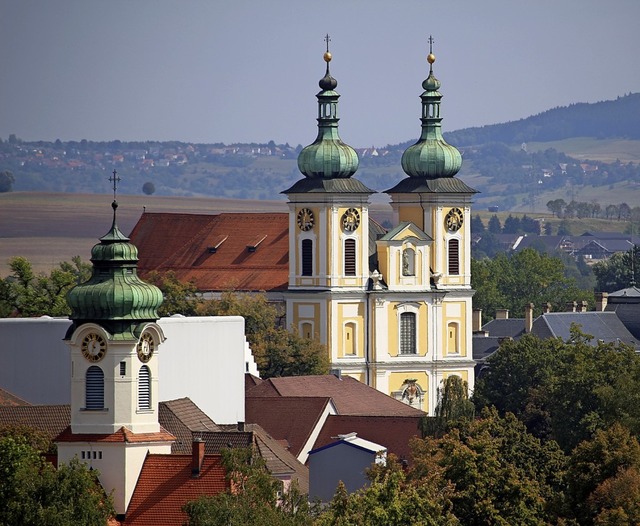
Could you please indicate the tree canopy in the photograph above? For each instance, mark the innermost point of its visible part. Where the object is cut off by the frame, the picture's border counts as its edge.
(515, 280)
(34, 493)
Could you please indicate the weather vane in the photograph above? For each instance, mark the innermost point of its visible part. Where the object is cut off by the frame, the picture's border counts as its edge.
(431, 41)
(327, 39)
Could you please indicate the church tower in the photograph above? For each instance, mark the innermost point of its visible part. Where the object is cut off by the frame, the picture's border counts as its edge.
(114, 344)
(329, 245)
(438, 204)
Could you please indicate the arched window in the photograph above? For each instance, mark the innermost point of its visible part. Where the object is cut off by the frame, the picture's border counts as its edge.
(452, 338)
(350, 257)
(408, 262)
(144, 388)
(307, 257)
(454, 256)
(306, 330)
(94, 388)
(407, 333)
(350, 339)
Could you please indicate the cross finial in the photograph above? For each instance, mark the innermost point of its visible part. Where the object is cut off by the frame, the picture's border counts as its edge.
(431, 41)
(115, 180)
(327, 39)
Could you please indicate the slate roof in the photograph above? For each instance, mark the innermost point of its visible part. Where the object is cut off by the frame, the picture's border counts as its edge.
(349, 396)
(485, 346)
(392, 432)
(505, 328)
(603, 326)
(289, 419)
(166, 484)
(213, 250)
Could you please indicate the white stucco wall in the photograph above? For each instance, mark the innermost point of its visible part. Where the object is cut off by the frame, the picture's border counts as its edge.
(203, 358)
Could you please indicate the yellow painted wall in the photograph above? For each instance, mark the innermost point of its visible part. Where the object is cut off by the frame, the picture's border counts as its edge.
(412, 213)
(358, 376)
(462, 374)
(345, 318)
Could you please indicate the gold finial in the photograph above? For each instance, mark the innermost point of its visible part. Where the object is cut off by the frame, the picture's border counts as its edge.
(431, 58)
(327, 55)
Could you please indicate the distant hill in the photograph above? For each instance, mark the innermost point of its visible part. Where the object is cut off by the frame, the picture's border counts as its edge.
(582, 152)
(618, 118)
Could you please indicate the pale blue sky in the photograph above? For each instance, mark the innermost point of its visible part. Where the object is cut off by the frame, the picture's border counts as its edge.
(248, 70)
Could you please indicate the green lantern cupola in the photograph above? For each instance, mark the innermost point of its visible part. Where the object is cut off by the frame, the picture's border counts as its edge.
(431, 157)
(328, 163)
(115, 297)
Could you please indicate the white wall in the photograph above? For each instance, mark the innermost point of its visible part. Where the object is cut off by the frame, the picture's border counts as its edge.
(203, 358)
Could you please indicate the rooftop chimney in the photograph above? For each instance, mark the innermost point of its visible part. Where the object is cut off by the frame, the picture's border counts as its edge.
(197, 457)
(572, 306)
(528, 318)
(502, 314)
(602, 299)
(477, 320)
(546, 308)
(584, 306)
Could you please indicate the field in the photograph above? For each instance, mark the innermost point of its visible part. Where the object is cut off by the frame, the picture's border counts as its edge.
(48, 228)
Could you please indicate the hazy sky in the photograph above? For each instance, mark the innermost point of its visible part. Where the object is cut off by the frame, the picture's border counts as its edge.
(248, 70)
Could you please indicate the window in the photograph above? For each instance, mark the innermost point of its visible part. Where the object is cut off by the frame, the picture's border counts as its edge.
(350, 257)
(454, 256)
(306, 330)
(94, 388)
(144, 388)
(408, 333)
(350, 339)
(307, 257)
(452, 338)
(408, 262)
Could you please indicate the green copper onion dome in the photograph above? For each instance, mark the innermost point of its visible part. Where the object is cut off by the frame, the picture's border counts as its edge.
(328, 156)
(431, 157)
(115, 297)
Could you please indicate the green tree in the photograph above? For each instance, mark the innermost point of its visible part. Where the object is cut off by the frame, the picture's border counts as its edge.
(34, 493)
(595, 468)
(7, 181)
(253, 497)
(565, 391)
(502, 475)
(149, 188)
(25, 293)
(527, 276)
(618, 272)
(178, 297)
(556, 206)
(453, 407)
(396, 497)
(494, 225)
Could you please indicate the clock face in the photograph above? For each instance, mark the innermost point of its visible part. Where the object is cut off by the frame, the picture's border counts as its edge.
(146, 346)
(453, 220)
(305, 219)
(351, 220)
(94, 347)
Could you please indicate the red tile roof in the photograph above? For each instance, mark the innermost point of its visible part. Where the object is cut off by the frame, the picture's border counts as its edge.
(122, 435)
(392, 432)
(166, 484)
(349, 396)
(292, 419)
(9, 399)
(50, 419)
(213, 250)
